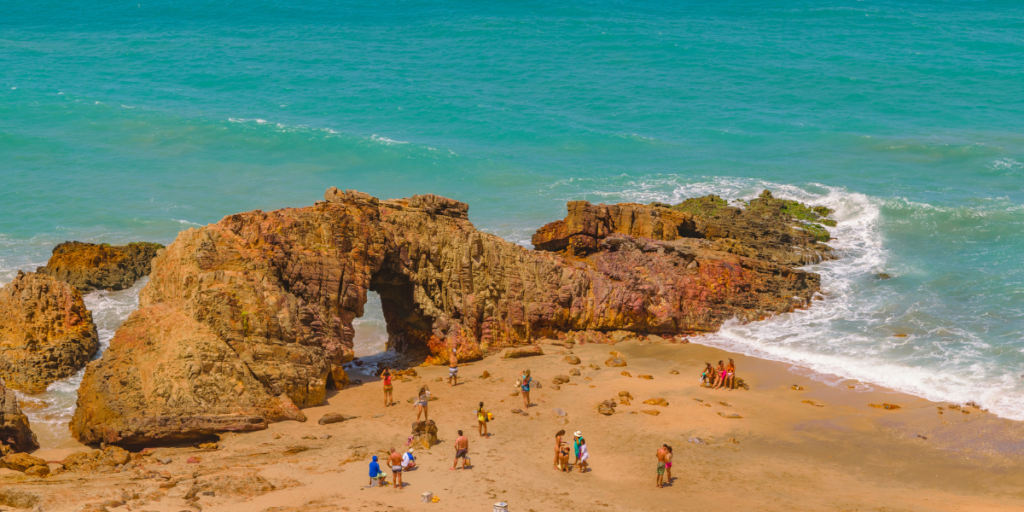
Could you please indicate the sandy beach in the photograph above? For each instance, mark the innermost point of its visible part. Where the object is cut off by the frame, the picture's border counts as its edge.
(820, 448)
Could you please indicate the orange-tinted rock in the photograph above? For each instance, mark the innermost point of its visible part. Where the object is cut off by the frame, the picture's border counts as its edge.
(657, 401)
(20, 461)
(15, 432)
(275, 294)
(100, 266)
(615, 362)
(46, 332)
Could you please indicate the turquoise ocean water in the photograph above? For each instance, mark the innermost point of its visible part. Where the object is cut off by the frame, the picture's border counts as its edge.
(123, 121)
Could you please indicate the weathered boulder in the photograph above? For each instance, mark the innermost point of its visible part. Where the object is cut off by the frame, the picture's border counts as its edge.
(424, 434)
(515, 353)
(20, 461)
(100, 266)
(46, 332)
(256, 311)
(656, 401)
(15, 432)
(572, 359)
(615, 362)
(560, 379)
(334, 417)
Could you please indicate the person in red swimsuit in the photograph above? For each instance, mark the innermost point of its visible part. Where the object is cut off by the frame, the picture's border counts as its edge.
(388, 388)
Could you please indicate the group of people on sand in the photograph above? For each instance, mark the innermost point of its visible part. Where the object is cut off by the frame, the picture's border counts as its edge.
(716, 378)
(562, 452)
(401, 462)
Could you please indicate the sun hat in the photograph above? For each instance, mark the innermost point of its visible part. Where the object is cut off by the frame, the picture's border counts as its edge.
(578, 434)
(410, 450)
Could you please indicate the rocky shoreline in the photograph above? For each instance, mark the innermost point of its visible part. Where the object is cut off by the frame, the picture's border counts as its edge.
(247, 321)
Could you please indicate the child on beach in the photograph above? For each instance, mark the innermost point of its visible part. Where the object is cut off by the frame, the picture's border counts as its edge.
(524, 385)
(481, 420)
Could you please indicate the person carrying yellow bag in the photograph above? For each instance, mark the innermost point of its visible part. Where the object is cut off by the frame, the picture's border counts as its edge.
(482, 417)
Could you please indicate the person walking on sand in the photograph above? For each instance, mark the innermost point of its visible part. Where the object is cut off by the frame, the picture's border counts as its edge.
(461, 451)
(395, 459)
(524, 386)
(558, 448)
(388, 388)
(481, 420)
(453, 369)
(422, 399)
(668, 463)
(661, 466)
(376, 475)
(583, 457)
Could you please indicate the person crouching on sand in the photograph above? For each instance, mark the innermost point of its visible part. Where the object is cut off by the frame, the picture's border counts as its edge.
(524, 386)
(558, 448)
(423, 398)
(461, 451)
(408, 461)
(388, 387)
(563, 457)
(481, 420)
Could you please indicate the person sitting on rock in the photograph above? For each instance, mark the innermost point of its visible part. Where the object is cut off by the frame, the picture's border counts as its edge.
(719, 375)
(730, 375)
(376, 475)
(708, 377)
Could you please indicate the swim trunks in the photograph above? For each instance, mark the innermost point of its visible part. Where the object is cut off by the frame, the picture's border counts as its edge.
(461, 454)
(396, 469)
(452, 372)
(661, 468)
(668, 465)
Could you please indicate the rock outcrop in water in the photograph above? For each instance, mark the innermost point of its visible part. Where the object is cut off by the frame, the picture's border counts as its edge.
(15, 434)
(245, 320)
(46, 332)
(100, 266)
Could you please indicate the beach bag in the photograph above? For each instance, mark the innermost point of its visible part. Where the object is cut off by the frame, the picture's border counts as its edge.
(490, 416)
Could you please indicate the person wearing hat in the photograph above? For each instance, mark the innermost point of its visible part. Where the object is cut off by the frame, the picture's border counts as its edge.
(376, 475)
(576, 438)
(408, 461)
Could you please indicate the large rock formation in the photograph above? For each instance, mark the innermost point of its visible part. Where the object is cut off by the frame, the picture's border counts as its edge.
(15, 433)
(100, 266)
(46, 332)
(250, 317)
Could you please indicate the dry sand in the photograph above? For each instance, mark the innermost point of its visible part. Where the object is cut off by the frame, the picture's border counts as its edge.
(783, 454)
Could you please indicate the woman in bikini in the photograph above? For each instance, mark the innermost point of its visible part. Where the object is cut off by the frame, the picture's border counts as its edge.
(720, 380)
(388, 388)
(730, 375)
(563, 458)
(524, 385)
(481, 420)
(558, 448)
(421, 403)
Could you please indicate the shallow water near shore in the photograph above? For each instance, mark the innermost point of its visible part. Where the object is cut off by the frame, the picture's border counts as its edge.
(124, 123)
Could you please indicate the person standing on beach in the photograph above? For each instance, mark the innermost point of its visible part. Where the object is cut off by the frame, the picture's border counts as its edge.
(481, 420)
(661, 465)
(583, 457)
(558, 448)
(453, 369)
(524, 386)
(388, 388)
(668, 463)
(422, 399)
(577, 441)
(395, 460)
(461, 451)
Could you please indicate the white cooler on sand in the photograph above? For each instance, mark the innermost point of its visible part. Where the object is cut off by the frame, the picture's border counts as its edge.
(427, 496)
(501, 506)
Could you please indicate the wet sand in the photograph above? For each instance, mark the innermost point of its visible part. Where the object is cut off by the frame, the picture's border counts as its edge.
(782, 454)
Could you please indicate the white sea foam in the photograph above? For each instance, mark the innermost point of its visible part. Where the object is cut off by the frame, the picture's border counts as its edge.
(848, 332)
(386, 140)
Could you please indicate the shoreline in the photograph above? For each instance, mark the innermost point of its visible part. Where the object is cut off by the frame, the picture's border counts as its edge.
(788, 453)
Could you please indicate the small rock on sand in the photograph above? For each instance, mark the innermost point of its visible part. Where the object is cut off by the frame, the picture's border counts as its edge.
(645, 376)
(674, 372)
(560, 379)
(730, 416)
(572, 359)
(528, 351)
(485, 375)
(626, 395)
(615, 362)
(574, 372)
(652, 412)
(886, 406)
(797, 388)
(626, 374)
(334, 417)
(657, 401)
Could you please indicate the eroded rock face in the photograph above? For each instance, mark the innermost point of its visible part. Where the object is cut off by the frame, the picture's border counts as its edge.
(46, 332)
(15, 433)
(100, 266)
(251, 317)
